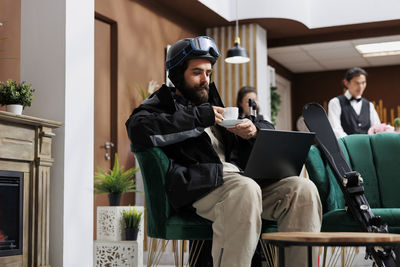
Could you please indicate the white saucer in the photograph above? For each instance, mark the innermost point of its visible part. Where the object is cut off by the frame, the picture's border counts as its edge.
(229, 123)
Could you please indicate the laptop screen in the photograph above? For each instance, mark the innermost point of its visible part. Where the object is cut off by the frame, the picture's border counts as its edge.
(278, 154)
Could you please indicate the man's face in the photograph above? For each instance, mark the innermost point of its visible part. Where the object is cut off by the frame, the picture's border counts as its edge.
(196, 81)
(356, 86)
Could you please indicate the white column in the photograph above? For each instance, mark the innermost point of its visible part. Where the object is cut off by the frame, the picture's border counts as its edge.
(57, 57)
(263, 85)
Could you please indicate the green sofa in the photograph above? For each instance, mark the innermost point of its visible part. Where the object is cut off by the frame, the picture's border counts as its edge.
(377, 159)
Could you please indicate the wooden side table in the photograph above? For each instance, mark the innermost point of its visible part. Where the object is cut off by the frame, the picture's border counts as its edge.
(340, 239)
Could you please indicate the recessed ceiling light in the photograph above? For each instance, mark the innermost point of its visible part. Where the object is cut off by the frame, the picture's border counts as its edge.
(379, 49)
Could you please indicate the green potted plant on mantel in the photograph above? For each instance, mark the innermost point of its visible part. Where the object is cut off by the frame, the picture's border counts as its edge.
(16, 96)
(115, 182)
(132, 219)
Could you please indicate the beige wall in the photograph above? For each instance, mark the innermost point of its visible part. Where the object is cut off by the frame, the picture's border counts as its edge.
(143, 34)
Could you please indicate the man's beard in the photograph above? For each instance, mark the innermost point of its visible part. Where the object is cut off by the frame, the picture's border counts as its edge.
(197, 94)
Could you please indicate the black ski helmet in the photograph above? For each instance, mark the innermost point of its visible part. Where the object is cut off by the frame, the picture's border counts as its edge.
(189, 48)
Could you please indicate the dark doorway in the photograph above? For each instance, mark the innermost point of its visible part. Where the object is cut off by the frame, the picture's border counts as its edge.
(11, 206)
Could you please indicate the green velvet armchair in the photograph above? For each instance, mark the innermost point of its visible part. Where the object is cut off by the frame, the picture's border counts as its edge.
(377, 159)
(162, 221)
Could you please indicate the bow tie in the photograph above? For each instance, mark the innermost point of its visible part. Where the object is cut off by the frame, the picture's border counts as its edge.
(355, 99)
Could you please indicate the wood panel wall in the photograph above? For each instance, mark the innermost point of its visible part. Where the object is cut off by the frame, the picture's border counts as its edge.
(229, 78)
(10, 31)
(144, 31)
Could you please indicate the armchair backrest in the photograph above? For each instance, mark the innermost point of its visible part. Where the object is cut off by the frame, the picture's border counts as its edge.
(375, 157)
(154, 165)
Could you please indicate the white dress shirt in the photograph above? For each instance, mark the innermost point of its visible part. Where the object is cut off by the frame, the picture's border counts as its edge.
(334, 112)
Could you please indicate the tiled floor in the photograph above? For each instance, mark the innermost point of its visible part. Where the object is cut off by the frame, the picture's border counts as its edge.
(358, 261)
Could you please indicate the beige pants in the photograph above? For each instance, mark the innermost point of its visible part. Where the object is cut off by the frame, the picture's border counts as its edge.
(236, 209)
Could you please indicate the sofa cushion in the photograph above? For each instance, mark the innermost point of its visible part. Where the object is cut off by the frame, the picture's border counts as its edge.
(358, 147)
(340, 221)
(386, 151)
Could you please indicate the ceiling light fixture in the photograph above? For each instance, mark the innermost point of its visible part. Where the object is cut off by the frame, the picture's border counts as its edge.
(379, 49)
(237, 54)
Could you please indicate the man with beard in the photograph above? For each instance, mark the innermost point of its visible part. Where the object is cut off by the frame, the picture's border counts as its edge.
(183, 122)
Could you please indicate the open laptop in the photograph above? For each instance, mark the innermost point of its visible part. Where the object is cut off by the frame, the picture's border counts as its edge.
(278, 154)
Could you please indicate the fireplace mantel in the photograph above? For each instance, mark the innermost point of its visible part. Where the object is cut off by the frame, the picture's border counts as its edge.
(25, 146)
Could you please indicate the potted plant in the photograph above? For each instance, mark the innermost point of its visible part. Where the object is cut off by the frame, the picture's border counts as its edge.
(16, 96)
(396, 123)
(115, 182)
(132, 219)
(151, 88)
(275, 104)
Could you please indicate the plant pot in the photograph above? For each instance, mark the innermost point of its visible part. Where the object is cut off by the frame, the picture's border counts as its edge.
(15, 108)
(114, 199)
(131, 233)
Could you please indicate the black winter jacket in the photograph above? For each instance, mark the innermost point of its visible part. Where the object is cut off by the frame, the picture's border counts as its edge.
(195, 168)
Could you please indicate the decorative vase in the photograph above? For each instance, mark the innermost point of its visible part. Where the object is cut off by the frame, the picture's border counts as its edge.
(131, 233)
(114, 199)
(15, 108)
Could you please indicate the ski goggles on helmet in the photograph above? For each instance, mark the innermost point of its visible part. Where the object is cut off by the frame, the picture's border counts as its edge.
(198, 46)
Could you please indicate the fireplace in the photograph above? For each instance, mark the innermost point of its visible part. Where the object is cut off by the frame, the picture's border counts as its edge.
(25, 165)
(11, 218)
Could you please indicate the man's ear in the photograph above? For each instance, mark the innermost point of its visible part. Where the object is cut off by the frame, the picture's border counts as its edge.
(345, 83)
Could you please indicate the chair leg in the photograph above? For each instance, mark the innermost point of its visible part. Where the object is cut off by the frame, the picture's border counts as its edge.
(352, 254)
(343, 256)
(194, 252)
(178, 248)
(182, 253)
(346, 254)
(175, 251)
(156, 250)
(324, 259)
(269, 252)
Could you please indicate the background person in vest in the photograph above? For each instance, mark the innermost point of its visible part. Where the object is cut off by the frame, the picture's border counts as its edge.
(350, 113)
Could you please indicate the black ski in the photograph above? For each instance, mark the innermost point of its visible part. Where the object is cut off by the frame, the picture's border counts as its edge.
(350, 181)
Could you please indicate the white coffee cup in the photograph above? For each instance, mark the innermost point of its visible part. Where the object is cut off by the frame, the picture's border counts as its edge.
(231, 113)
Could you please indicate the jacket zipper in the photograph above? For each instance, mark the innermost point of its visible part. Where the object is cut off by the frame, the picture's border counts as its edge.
(220, 257)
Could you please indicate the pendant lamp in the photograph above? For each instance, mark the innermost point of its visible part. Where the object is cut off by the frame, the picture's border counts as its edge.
(237, 54)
